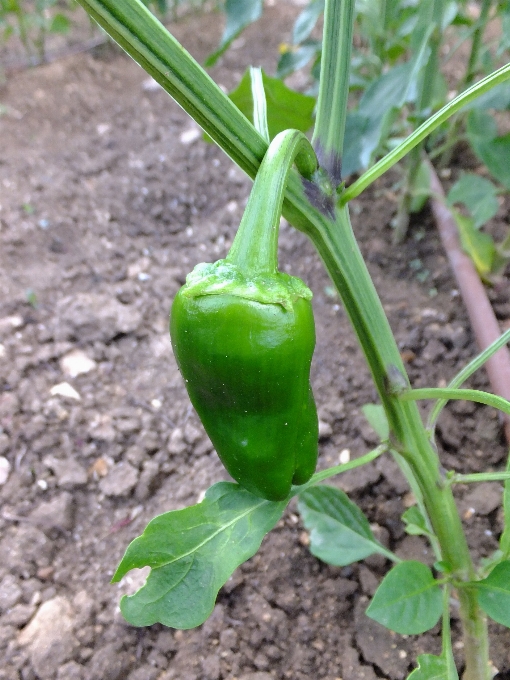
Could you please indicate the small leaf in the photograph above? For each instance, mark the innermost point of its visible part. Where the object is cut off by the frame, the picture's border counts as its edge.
(294, 58)
(478, 245)
(408, 601)
(240, 14)
(415, 522)
(478, 194)
(192, 553)
(60, 24)
(432, 667)
(495, 154)
(376, 417)
(494, 593)
(306, 21)
(340, 532)
(285, 107)
(421, 188)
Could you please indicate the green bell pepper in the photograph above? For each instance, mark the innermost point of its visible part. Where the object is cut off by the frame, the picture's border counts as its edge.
(243, 336)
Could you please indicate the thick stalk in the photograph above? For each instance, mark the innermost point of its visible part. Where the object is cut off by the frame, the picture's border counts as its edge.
(329, 130)
(340, 253)
(255, 247)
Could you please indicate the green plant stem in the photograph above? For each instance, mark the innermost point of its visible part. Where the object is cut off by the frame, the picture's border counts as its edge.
(469, 77)
(479, 477)
(448, 393)
(416, 137)
(340, 253)
(329, 130)
(255, 247)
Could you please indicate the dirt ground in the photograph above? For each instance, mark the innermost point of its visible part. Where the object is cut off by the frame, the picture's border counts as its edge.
(108, 197)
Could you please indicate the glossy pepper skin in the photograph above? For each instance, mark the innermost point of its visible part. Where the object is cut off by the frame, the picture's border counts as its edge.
(246, 365)
(243, 336)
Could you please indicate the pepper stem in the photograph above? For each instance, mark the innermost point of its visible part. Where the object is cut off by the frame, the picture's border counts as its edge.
(255, 247)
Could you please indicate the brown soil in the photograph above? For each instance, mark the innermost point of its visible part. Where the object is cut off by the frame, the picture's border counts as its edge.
(108, 198)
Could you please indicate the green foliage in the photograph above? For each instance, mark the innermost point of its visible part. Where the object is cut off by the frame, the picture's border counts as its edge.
(192, 553)
(478, 245)
(408, 600)
(477, 194)
(240, 14)
(432, 667)
(494, 593)
(376, 417)
(415, 522)
(339, 532)
(285, 107)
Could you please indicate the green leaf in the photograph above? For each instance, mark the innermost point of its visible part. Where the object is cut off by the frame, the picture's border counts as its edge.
(339, 532)
(285, 107)
(504, 540)
(192, 553)
(240, 14)
(421, 187)
(415, 522)
(60, 24)
(294, 58)
(408, 601)
(494, 593)
(431, 667)
(478, 245)
(498, 98)
(306, 21)
(376, 417)
(492, 150)
(478, 194)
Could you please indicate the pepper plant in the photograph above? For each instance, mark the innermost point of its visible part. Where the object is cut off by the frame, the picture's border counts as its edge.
(192, 552)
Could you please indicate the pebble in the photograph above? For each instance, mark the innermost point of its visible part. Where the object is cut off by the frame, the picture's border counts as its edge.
(484, 498)
(23, 545)
(211, 667)
(120, 481)
(49, 637)
(10, 592)
(5, 469)
(144, 673)
(94, 317)
(69, 472)
(76, 362)
(64, 389)
(70, 671)
(108, 663)
(56, 514)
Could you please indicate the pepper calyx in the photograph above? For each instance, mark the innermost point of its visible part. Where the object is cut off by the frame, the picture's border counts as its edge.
(226, 278)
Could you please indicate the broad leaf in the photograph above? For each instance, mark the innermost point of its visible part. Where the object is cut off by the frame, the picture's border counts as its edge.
(494, 151)
(192, 553)
(376, 416)
(494, 593)
(293, 58)
(478, 245)
(339, 532)
(478, 194)
(408, 601)
(240, 14)
(285, 107)
(60, 24)
(415, 522)
(498, 98)
(306, 21)
(432, 667)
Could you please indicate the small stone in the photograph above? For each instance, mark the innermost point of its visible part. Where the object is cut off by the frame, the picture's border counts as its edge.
(55, 515)
(10, 592)
(5, 469)
(211, 667)
(19, 615)
(325, 430)
(70, 671)
(433, 351)
(145, 672)
(76, 362)
(258, 675)
(23, 545)
(120, 481)
(66, 390)
(484, 498)
(49, 637)
(5, 443)
(149, 473)
(108, 663)
(92, 317)
(68, 471)
(176, 443)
